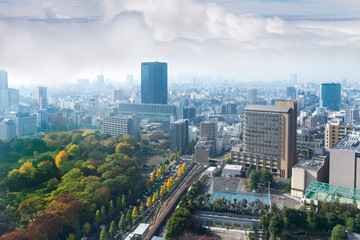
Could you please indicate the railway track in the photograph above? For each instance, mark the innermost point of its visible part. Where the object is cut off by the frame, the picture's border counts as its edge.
(173, 199)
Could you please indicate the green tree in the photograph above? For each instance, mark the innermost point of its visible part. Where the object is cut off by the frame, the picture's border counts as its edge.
(128, 217)
(103, 234)
(87, 227)
(103, 214)
(276, 225)
(32, 207)
(266, 177)
(123, 201)
(97, 219)
(254, 181)
(338, 233)
(74, 151)
(353, 224)
(122, 223)
(118, 204)
(265, 219)
(177, 224)
(312, 221)
(142, 208)
(112, 230)
(249, 170)
(111, 208)
(76, 138)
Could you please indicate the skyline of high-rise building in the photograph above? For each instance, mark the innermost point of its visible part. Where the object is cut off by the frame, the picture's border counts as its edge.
(41, 97)
(154, 83)
(209, 130)
(179, 135)
(3, 79)
(330, 96)
(251, 96)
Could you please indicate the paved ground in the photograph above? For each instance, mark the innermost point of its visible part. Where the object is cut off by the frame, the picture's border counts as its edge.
(224, 234)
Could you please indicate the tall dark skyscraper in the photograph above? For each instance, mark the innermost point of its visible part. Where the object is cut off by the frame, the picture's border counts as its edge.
(154, 82)
(331, 96)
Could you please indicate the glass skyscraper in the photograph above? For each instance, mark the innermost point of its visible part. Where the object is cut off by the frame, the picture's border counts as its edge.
(154, 82)
(331, 96)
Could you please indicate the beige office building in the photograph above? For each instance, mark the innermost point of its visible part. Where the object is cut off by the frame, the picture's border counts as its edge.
(334, 132)
(269, 138)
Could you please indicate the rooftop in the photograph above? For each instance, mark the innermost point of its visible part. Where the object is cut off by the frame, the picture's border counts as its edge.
(226, 185)
(350, 142)
(310, 165)
(233, 167)
(267, 108)
(141, 229)
(210, 169)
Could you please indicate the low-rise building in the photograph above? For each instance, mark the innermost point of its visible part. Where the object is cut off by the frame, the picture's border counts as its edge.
(210, 172)
(232, 170)
(307, 171)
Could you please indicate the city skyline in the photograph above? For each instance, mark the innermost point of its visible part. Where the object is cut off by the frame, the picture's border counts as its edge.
(61, 41)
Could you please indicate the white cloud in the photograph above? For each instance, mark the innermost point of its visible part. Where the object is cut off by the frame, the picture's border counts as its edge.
(191, 36)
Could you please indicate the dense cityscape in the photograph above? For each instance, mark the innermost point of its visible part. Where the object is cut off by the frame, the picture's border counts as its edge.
(245, 130)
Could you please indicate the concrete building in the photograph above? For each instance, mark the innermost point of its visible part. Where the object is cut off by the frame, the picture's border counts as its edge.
(227, 220)
(307, 171)
(3, 79)
(154, 83)
(155, 113)
(26, 124)
(291, 93)
(330, 96)
(42, 118)
(307, 141)
(9, 97)
(100, 82)
(232, 170)
(251, 96)
(121, 125)
(335, 131)
(118, 94)
(351, 116)
(179, 135)
(7, 130)
(345, 162)
(210, 171)
(269, 138)
(202, 151)
(41, 97)
(209, 130)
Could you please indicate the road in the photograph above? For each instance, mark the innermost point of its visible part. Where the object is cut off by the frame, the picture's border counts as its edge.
(173, 200)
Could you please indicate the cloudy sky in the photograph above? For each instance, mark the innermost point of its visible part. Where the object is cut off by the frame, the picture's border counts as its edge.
(47, 42)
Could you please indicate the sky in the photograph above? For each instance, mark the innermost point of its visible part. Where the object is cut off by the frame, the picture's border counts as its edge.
(59, 41)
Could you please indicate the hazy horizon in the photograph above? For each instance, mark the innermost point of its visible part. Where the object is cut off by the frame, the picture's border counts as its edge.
(60, 41)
